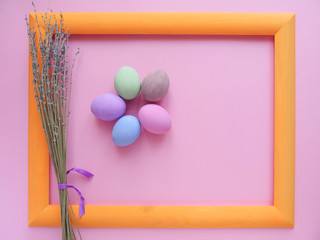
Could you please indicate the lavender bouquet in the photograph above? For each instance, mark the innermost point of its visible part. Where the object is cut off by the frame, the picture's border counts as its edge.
(52, 82)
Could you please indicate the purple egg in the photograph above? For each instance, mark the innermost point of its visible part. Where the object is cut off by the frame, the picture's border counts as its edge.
(108, 107)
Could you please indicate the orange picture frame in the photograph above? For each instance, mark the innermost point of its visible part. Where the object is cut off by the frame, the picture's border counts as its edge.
(281, 214)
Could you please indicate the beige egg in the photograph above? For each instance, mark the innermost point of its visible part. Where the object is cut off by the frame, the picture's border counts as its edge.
(155, 86)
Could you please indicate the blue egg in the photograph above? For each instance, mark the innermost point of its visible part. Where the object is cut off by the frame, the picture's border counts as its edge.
(126, 131)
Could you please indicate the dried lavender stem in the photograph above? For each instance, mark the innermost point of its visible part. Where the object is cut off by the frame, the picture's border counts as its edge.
(52, 89)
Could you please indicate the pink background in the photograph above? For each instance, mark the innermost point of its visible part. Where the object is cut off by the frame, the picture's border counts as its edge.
(220, 148)
(232, 166)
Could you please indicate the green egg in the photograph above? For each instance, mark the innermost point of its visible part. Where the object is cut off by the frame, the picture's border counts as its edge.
(127, 83)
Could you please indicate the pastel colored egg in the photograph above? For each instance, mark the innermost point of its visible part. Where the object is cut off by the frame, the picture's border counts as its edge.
(126, 131)
(108, 107)
(155, 119)
(155, 86)
(127, 83)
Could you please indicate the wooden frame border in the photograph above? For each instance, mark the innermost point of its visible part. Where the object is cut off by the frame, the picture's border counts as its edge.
(281, 214)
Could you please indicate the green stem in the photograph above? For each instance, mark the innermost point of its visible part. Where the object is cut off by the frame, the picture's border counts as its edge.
(66, 225)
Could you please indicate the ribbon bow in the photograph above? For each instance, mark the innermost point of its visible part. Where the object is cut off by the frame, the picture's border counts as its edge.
(65, 185)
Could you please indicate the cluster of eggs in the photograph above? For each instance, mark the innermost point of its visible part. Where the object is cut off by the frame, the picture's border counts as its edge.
(151, 117)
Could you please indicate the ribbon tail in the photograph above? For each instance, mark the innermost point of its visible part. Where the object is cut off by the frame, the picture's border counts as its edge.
(64, 185)
(81, 207)
(81, 171)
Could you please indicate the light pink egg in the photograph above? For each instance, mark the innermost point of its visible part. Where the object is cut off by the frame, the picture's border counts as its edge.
(155, 119)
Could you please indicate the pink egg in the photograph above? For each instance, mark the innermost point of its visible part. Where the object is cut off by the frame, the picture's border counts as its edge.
(155, 119)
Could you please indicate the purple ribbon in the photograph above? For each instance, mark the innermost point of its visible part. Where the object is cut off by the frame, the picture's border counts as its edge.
(65, 185)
